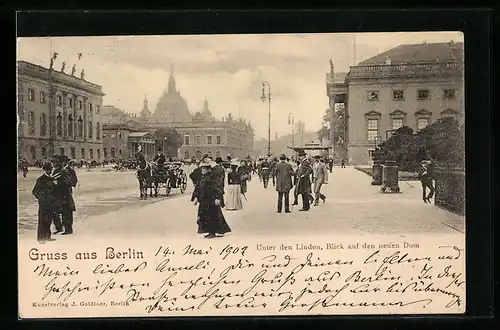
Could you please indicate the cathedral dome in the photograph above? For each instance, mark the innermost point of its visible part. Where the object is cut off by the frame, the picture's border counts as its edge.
(172, 106)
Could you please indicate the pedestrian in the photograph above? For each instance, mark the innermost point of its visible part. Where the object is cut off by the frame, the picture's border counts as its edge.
(320, 178)
(342, 163)
(195, 176)
(425, 176)
(274, 162)
(66, 181)
(284, 174)
(44, 192)
(265, 171)
(245, 175)
(303, 187)
(210, 219)
(233, 200)
(220, 173)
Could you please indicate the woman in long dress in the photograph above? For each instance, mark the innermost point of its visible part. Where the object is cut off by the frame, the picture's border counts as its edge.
(233, 200)
(209, 195)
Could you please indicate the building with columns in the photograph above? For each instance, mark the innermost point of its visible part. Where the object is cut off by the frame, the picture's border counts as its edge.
(409, 85)
(58, 113)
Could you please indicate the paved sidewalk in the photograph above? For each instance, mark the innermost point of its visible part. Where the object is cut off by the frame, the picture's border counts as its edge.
(353, 206)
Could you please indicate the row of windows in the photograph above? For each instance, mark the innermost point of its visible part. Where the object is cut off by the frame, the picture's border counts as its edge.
(62, 151)
(59, 126)
(197, 154)
(422, 94)
(373, 126)
(59, 101)
(197, 139)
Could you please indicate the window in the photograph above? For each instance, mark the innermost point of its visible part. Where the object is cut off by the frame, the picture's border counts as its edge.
(197, 139)
(61, 151)
(70, 102)
(98, 154)
(373, 95)
(209, 139)
(398, 95)
(372, 129)
(104, 134)
(31, 123)
(209, 153)
(33, 152)
(44, 152)
(70, 125)
(82, 152)
(90, 130)
(97, 109)
(31, 94)
(370, 153)
(42, 97)
(80, 104)
(113, 153)
(119, 135)
(449, 94)
(422, 123)
(186, 154)
(217, 154)
(73, 153)
(91, 153)
(80, 127)
(218, 139)
(43, 124)
(397, 123)
(198, 154)
(59, 100)
(59, 125)
(98, 131)
(105, 152)
(423, 94)
(90, 108)
(186, 140)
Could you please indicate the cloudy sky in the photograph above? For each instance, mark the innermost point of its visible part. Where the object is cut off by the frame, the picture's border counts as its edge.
(228, 69)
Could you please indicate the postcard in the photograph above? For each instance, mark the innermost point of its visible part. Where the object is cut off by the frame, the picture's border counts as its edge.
(238, 175)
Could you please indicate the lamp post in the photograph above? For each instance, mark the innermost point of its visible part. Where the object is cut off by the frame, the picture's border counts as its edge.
(292, 122)
(263, 98)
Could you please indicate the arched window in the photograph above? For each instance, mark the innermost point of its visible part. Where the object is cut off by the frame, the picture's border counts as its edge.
(186, 154)
(80, 127)
(59, 125)
(98, 131)
(31, 123)
(43, 124)
(33, 152)
(90, 129)
(217, 154)
(209, 153)
(198, 154)
(70, 125)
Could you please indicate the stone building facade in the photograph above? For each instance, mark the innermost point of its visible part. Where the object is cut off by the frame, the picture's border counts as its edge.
(58, 113)
(410, 85)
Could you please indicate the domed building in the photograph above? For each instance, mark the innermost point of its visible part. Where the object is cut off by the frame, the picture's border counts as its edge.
(201, 133)
(171, 106)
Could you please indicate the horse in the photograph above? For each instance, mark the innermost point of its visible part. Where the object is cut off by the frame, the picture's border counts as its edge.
(144, 175)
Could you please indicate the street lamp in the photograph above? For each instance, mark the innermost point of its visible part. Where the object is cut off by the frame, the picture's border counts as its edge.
(292, 122)
(263, 98)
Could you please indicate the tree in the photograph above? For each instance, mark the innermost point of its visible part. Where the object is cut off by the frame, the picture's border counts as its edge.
(169, 139)
(340, 128)
(402, 148)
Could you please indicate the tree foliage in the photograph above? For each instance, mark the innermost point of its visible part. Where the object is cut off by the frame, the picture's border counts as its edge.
(339, 127)
(442, 142)
(169, 139)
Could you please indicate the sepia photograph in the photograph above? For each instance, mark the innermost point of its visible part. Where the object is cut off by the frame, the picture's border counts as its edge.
(242, 174)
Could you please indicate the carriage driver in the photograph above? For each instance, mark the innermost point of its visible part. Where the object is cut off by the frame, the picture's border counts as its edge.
(160, 159)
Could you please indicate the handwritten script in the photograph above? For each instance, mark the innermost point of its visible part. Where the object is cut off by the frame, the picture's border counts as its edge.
(258, 279)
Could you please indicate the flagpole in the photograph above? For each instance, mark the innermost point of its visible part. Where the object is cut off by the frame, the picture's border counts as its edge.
(354, 53)
(52, 116)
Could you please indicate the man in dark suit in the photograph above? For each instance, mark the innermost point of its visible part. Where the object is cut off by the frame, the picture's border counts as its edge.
(66, 181)
(159, 158)
(284, 173)
(304, 181)
(44, 192)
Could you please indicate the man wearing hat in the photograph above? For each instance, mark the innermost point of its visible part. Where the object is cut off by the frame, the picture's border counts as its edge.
(57, 168)
(44, 192)
(284, 173)
(220, 174)
(304, 180)
(425, 176)
(159, 158)
(265, 170)
(320, 177)
(66, 181)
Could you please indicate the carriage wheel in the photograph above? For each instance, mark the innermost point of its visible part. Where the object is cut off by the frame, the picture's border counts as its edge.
(183, 184)
(167, 187)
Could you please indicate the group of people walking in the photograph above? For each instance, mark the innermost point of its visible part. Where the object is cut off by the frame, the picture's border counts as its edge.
(54, 192)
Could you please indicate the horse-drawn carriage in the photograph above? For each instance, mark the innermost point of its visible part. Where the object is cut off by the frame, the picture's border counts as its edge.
(169, 176)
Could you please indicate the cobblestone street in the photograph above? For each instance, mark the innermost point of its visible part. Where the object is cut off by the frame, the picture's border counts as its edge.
(352, 206)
